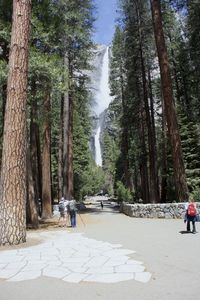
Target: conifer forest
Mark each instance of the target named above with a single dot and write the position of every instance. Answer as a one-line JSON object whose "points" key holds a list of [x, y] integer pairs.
{"points": [[150, 133]]}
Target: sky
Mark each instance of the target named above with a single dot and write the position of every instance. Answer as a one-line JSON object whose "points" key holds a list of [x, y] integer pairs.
{"points": [[105, 23]]}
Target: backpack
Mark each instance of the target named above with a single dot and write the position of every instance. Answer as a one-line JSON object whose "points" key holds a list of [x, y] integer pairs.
{"points": [[72, 206], [61, 207], [191, 211]]}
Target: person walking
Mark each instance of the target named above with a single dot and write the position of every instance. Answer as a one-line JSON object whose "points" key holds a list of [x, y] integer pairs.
{"points": [[191, 212], [62, 217], [67, 216], [101, 205], [72, 212]]}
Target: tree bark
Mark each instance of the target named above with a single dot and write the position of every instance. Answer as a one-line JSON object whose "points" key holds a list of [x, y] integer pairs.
{"points": [[13, 173], [154, 141], [70, 174], [46, 159], [65, 134], [125, 134], [143, 163], [153, 188], [31, 209], [35, 149], [178, 165], [60, 154], [68, 178], [164, 158]]}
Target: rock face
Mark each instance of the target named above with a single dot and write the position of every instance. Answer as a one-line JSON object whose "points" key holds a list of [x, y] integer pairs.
{"points": [[163, 210], [111, 118]]}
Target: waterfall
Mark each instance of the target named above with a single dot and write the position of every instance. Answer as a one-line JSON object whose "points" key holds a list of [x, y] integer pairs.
{"points": [[103, 100], [98, 157]]}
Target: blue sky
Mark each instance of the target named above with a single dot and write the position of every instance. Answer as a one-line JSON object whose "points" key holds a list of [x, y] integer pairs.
{"points": [[105, 23]]}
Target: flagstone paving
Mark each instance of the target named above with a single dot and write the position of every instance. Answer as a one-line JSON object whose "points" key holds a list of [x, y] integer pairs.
{"points": [[72, 258]]}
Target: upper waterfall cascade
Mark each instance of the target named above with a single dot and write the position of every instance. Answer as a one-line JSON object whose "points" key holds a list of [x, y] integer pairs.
{"points": [[102, 101]]}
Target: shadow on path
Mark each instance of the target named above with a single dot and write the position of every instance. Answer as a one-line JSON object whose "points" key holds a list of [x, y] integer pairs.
{"points": [[185, 232]]}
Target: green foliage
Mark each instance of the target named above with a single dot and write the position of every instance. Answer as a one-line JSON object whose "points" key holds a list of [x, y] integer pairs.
{"points": [[190, 138], [110, 155], [126, 67], [122, 193], [88, 178], [88, 181], [196, 195], [3, 72], [64, 27], [59, 29], [112, 130], [127, 88], [93, 181]]}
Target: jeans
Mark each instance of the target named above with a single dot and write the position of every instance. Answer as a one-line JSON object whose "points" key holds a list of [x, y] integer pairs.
{"points": [[191, 219], [73, 218]]}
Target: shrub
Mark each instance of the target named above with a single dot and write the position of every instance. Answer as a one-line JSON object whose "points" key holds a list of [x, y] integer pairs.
{"points": [[196, 195], [122, 193]]}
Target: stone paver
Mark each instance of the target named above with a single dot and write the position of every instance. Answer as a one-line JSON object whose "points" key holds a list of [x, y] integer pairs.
{"points": [[72, 258]]}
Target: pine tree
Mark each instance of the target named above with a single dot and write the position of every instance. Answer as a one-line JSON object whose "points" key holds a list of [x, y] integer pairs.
{"points": [[13, 171], [179, 171]]}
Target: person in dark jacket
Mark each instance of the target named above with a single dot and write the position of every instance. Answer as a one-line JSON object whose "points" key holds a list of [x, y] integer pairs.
{"points": [[101, 205], [190, 216]]}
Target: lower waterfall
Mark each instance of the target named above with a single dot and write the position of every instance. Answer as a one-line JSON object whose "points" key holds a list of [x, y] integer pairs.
{"points": [[98, 156]]}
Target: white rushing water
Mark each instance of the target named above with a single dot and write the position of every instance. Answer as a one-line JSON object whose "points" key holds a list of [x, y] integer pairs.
{"points": [[98, 157], [103, 100]]}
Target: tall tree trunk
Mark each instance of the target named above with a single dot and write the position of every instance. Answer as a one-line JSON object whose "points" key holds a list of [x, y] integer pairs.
{"points": [[136, 179], [13, 173], [124, 151], [153, 188], [178, 165], [143, 163], [65, 133], [68, 178], [164, 158], [144, 177], [46, 159], [70, 174], [60, 154], [35, 149], [125, 138], [31, 209], [153, 140]]}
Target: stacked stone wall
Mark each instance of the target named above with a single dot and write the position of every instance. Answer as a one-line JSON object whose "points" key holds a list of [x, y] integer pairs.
{"points": [[164, 211]]}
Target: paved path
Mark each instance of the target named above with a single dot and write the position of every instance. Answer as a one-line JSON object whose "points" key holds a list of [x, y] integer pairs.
{"points": [[72, 258], [98, 261]]}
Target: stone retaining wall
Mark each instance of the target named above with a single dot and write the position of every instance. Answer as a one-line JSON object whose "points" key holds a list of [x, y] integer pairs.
{"points": [[165, 211]]}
